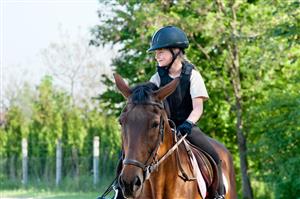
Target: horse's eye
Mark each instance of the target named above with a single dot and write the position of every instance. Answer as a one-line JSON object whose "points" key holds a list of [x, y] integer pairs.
{"points": [[155, 125]]}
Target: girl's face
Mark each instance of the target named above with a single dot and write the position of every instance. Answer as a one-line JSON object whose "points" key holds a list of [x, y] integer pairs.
{"points": [[163, 57]]}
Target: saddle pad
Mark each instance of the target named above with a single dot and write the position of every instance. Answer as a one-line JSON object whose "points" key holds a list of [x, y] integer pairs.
{"points": [[206, 166], [200, 180]]}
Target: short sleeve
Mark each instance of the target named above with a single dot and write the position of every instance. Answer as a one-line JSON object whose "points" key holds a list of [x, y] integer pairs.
{"points": [[197, 88], [155, 79]]}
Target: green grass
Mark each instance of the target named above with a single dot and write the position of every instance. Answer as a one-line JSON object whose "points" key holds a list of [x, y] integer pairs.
{"points": [[74, 188], [43, 194]]}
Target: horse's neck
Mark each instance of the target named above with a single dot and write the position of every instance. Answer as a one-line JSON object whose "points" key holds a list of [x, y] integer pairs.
{"points": [[166, 182], [168, 169]]}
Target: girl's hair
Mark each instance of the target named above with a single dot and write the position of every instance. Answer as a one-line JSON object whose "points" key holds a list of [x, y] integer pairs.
{"points": [[182, 56]]}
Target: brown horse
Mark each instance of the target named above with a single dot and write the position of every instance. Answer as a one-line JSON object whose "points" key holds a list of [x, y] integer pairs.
{"points": [[150, 168]]}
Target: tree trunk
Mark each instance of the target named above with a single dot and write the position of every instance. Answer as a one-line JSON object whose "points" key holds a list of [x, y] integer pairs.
{"points": [[75, 162], [241, 139], [46, 169], [234, 70], [234, 67], [12, 168], [104, 163]]}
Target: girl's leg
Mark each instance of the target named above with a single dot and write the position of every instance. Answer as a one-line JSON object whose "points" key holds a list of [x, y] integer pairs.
{"points": [[198, 138]]}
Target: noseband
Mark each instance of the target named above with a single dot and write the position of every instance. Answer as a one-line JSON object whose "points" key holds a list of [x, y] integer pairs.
{"points": [[148, 167]]}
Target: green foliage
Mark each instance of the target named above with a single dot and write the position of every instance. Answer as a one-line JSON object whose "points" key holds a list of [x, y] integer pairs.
{"points": [[276, 133], [75, 127], [265, 34], [3, 141], [267, 41], [47, 118], [278, 144], [14, 129], [53, 117]]}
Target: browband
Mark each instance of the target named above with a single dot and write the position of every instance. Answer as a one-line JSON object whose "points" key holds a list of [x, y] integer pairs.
{"points": [[159, 104]]}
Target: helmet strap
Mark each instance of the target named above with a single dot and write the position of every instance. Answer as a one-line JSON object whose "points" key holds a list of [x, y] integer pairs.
{"points": [[174, 57]]}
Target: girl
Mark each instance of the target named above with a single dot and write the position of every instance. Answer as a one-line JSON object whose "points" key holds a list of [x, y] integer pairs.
{"points": [[186, 103]]}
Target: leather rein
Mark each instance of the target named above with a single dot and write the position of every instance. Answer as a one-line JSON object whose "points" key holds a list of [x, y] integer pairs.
{"points": [[149, 167]]}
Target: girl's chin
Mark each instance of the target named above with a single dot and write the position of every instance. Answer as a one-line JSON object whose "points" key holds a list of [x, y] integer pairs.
{"points": [[161, 64]]}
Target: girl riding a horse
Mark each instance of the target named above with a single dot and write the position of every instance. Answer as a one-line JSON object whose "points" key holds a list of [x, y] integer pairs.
{"points": [[185, 104]]}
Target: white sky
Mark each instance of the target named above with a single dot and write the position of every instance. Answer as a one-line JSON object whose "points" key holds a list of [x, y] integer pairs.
{"points": [[28, 26]]}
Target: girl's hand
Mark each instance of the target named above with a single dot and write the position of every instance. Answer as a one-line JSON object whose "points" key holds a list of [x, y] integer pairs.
{"points": [[185, 127]]}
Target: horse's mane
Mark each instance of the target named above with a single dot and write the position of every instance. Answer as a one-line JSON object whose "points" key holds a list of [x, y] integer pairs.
{"points": [[142, 93]]}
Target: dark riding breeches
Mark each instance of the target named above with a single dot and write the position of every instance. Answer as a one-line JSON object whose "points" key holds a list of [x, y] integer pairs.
{"points": [[198, 138]]}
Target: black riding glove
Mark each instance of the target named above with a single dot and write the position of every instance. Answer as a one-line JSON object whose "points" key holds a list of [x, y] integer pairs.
{"points": [[185, 128]]}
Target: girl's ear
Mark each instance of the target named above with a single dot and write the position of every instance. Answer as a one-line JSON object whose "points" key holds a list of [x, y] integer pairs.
{"points": [[167, 90], [122, 86]]}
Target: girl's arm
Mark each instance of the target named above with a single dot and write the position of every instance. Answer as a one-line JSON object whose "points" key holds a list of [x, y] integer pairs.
{"points": [[197, 110]]}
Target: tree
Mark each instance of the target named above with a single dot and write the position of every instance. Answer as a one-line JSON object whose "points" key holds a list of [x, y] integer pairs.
{"points": [[16, 126], [76, 64], [274, 117], [47, 123], [231, 45], [275, 135]]}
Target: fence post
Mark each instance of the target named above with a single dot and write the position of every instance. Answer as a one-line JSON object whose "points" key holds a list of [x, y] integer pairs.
{"points": [[24, 161], [58, 161], [96, 159]]}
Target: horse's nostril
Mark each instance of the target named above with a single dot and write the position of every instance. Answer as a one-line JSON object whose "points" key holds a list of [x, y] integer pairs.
{"points": [[137, 181], [130, 187]]}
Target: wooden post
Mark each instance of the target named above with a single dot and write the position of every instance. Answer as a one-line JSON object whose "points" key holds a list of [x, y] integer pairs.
{"points": [[58, 161], [24, 161], [96, 159]]}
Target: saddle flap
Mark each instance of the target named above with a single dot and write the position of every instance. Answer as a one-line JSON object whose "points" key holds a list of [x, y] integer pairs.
{"points": [[207, 166]]}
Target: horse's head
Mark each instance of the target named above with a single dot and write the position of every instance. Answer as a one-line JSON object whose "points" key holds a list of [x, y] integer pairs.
{"points": [[143, 124]]}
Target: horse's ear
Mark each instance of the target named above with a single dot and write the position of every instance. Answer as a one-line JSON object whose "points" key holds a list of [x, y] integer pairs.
{"points": [[167, 90], [122, 86]]}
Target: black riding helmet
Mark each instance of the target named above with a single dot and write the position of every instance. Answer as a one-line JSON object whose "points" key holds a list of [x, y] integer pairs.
{"points": [[169, 37]]}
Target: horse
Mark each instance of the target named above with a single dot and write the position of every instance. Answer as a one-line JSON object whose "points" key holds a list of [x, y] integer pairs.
{"points": [[150, 166]]}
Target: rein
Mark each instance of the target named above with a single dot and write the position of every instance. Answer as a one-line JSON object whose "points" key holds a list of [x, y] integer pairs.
{"points": [[148, 168]]}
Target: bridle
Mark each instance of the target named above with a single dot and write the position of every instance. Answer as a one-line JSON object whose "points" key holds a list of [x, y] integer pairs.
{"points": [[149, 166]]}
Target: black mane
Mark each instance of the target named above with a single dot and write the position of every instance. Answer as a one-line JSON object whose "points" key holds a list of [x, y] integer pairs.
{"points": [[142, 93]]}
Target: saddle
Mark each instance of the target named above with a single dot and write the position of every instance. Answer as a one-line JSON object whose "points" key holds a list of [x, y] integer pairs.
{"points": [[207, 167]]}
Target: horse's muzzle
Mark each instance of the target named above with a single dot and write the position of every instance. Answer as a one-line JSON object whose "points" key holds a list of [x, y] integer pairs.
{"points": [[131, 187]]}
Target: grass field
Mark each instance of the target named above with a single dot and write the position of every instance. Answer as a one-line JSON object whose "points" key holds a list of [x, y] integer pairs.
{"points": [[41, 194]]}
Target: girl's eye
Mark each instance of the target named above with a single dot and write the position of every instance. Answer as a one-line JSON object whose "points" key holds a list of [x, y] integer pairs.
{"points": [[155, 125]]}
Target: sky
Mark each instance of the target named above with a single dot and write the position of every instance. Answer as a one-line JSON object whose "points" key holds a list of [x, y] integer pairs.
{"points": [[28, 26]]}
